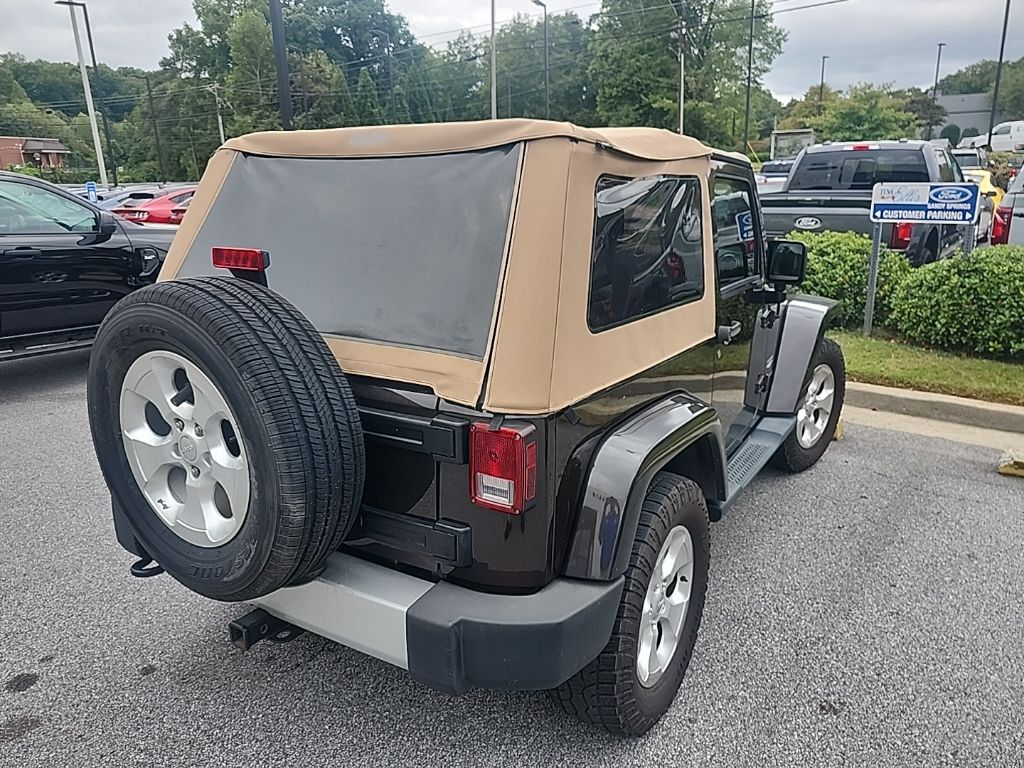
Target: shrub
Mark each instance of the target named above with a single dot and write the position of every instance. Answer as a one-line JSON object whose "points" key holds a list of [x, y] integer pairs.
{"points": [[974, 305], [837, 268], [951, 132]]}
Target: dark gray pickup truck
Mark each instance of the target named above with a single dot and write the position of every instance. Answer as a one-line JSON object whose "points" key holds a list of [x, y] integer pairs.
{"points": [[829, 189]]}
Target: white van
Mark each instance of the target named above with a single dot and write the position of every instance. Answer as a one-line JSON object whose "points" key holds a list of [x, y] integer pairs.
{"points": [[1006, 137]]}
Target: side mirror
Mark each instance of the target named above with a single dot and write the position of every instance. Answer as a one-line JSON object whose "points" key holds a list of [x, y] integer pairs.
{"points": [[787, 262], [106, 223], [991, 193]]}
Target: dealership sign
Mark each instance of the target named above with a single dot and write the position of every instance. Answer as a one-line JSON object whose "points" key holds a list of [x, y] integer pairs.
{"points": [[947, 203]]}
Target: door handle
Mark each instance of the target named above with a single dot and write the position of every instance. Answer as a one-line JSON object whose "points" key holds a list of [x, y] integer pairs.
{"points": [[727, 333], [22, 253]]}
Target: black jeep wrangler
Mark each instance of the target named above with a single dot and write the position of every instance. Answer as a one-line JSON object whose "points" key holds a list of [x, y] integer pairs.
{"points": [[464, 397]]}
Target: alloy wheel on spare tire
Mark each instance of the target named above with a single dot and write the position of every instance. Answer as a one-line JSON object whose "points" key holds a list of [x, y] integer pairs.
{"points": [[227, 434]]}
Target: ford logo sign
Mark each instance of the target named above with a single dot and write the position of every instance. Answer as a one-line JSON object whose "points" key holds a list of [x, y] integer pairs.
{"points": [[807, 222], [951, 195]]}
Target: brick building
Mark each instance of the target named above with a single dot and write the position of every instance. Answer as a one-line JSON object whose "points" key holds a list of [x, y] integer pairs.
{"points": [[37, 152]]}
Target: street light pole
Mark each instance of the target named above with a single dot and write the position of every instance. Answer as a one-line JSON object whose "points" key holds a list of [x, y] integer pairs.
{"points": [[156, 132], [92, 56], [935, 88], [547, 80], [681, 33], [494, 71], [821, 88], [88, 98], [750, 75], [999, 75], [284, 87]]}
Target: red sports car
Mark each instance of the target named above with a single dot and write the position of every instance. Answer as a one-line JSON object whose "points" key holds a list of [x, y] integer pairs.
{"points": [[159, 209]]}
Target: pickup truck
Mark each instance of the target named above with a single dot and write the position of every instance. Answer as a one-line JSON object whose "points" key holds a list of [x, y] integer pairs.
{"points": [[63, 264], [829, 189]]}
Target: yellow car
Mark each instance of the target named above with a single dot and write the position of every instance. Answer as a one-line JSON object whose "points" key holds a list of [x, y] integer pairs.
{"points": [[992, 197]]}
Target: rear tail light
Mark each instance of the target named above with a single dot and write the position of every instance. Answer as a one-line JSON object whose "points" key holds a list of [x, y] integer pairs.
{"points": [[901, 233], [248, 259], [502, 467], [1001, 226]]}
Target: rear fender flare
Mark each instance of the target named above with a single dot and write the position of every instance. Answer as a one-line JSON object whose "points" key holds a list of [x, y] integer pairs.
{"points": [[622, 469], [805, 319]]}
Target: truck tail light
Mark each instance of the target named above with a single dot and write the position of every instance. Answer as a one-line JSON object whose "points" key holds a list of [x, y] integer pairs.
{"points": [[901, 233], [247, 259], [1001, 226], [502, 467]]}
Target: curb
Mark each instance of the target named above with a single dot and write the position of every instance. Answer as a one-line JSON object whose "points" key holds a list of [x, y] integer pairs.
{"points": [[929, 405]]}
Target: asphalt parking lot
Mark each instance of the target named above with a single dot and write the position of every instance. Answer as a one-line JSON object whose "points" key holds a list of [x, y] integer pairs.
{"points": [[868, 612]]}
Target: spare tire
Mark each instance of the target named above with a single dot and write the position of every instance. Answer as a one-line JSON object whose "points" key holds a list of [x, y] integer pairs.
{"points": [[227, 434]]}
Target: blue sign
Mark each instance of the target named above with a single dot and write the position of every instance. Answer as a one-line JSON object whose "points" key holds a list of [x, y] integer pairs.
{"points": [[90, 190], [946, 203], [745, 224]]}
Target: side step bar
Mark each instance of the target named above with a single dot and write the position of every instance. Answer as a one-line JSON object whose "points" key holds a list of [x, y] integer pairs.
{"points": [[755, 452]]}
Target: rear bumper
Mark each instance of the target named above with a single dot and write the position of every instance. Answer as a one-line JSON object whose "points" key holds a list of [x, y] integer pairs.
{"points": [[453, 638]]}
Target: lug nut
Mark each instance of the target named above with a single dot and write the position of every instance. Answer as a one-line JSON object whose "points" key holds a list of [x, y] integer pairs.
{"points": [[195, 471], [199, 431], [179, 424]]}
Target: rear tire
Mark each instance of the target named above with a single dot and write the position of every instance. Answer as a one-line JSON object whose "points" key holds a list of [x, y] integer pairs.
{"points": [[608, 692], [295, 427], [805, 445]]}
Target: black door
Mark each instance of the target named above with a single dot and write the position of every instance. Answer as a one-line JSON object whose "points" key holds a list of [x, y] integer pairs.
{"points": [[57, 270], [742, 356]]}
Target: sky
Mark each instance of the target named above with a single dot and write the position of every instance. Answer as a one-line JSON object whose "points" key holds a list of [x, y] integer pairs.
{"points": [[880, 41]]}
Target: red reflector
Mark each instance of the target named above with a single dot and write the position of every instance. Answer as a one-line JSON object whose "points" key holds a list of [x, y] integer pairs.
{"points": [[1001, 226], [502, 467], [861, 147], [250, 259], [901, 236]]}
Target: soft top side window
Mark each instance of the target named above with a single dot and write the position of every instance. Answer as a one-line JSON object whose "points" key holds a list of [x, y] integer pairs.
{"points": [[648, 250], [735, 230]]}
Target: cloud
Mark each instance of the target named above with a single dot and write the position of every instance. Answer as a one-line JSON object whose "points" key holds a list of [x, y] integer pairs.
{"points": [[867, 40]]}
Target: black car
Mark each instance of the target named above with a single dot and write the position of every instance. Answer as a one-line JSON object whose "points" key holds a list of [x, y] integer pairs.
{"points": [[63, 263]]}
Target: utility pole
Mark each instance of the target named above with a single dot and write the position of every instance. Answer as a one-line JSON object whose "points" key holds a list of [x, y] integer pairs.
{"points": [[284, 88], [156, 132], [88, 99], [821, 88], [999, 75], [220, 119], [935, 88], [547, 76], [750, 76], [494, 71], [681, 32], [92, 56], [391, 72]]}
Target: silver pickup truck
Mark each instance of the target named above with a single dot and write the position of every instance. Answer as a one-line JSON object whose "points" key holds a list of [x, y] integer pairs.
{"points": [[829, 189]]}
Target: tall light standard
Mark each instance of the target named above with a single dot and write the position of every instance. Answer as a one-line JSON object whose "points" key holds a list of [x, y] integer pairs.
{"points": [[494, 71], [935, 88], [92, 55], [821, 88], [750, 75], [547, 80], [102, 167], [391, 67], [156, 131], [999, 75], [681, 53]]}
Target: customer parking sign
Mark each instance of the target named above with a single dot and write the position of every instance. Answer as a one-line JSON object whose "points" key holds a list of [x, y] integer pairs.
{"points": [[946, 203]]}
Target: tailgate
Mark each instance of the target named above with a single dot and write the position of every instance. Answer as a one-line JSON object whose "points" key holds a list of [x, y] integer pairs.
{"points": [[817, 212]]}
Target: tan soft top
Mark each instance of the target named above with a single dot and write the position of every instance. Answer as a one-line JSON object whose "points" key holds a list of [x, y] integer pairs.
{"points": [[441, 138], [541, 355]]}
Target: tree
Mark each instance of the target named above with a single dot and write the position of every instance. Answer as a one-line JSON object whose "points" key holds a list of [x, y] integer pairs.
{"points": [[399, 109], [250, 83], [367, 104], [636, 72], [865, 112], [974, 78], [1011, 92], [926, 110], [323, 92], [951, 133]]}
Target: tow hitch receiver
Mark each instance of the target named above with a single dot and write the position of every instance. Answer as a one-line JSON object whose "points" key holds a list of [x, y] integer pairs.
{"points": [[259, 625]]}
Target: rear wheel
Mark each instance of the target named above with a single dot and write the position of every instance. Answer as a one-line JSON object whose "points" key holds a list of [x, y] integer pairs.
{"points": [[634, 680], [817, 412], [227, 434]]}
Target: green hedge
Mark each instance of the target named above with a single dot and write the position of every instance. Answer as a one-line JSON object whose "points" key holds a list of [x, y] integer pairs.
{"points": [[837, 267], [974, 305], [966, 305]]}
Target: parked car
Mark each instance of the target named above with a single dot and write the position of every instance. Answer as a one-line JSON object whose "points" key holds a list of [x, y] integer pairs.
{"points": [[157, 210], [63, 264], [177, 214], [776, 168], [471, 434], [1006, 137], [991, 199], [1008, 225], [971, 158], [830, 187]]}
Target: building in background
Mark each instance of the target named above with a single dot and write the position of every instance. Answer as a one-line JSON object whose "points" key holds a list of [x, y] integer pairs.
{"points": [[967, 110], [44, 154]]}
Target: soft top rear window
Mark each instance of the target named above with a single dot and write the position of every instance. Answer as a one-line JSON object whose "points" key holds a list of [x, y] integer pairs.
{"points": [[857, 169], [397, 250]]}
